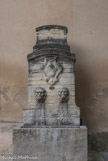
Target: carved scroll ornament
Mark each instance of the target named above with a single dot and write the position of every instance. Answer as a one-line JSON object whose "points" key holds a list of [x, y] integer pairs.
{"points": [[51, 70]]}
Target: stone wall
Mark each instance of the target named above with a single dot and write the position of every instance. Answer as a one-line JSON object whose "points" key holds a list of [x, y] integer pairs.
{"points": [[88, 37]]}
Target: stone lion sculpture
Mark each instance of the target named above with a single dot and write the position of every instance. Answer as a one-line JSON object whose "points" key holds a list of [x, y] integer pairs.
{"points": [[40, 94], [64, 94]]}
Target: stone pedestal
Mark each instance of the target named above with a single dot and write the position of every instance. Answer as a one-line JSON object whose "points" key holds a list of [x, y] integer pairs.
{"points": [[50, 144]]}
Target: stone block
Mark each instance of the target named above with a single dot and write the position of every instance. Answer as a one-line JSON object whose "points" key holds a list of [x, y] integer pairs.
{"points": [[50, 143]]}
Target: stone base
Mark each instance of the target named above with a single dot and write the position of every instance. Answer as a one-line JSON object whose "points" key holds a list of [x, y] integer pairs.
{"points": [[50, 144]]}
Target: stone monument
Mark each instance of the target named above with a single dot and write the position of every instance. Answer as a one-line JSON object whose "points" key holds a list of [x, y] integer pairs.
{"points": [[51, 128]]}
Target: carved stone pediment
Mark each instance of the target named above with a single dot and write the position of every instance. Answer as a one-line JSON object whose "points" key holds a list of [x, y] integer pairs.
{"points": [[51, 70]]}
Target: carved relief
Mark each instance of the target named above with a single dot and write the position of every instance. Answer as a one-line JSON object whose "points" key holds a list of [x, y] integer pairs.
{"points": [[64, 94], [51, 70], [63, 109], [40, 111], [40, 94]]}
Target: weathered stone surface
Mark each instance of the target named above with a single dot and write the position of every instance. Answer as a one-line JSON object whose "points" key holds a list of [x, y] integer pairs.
{"points": [[2, 158], [105, 155], [98, 141], [51, 70], [98, 146], [37, 79], [53, 33], [51, 130], [66, 79], [36, 117], [94, 156], [51, 144], [6, 130], [97, 156]]}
